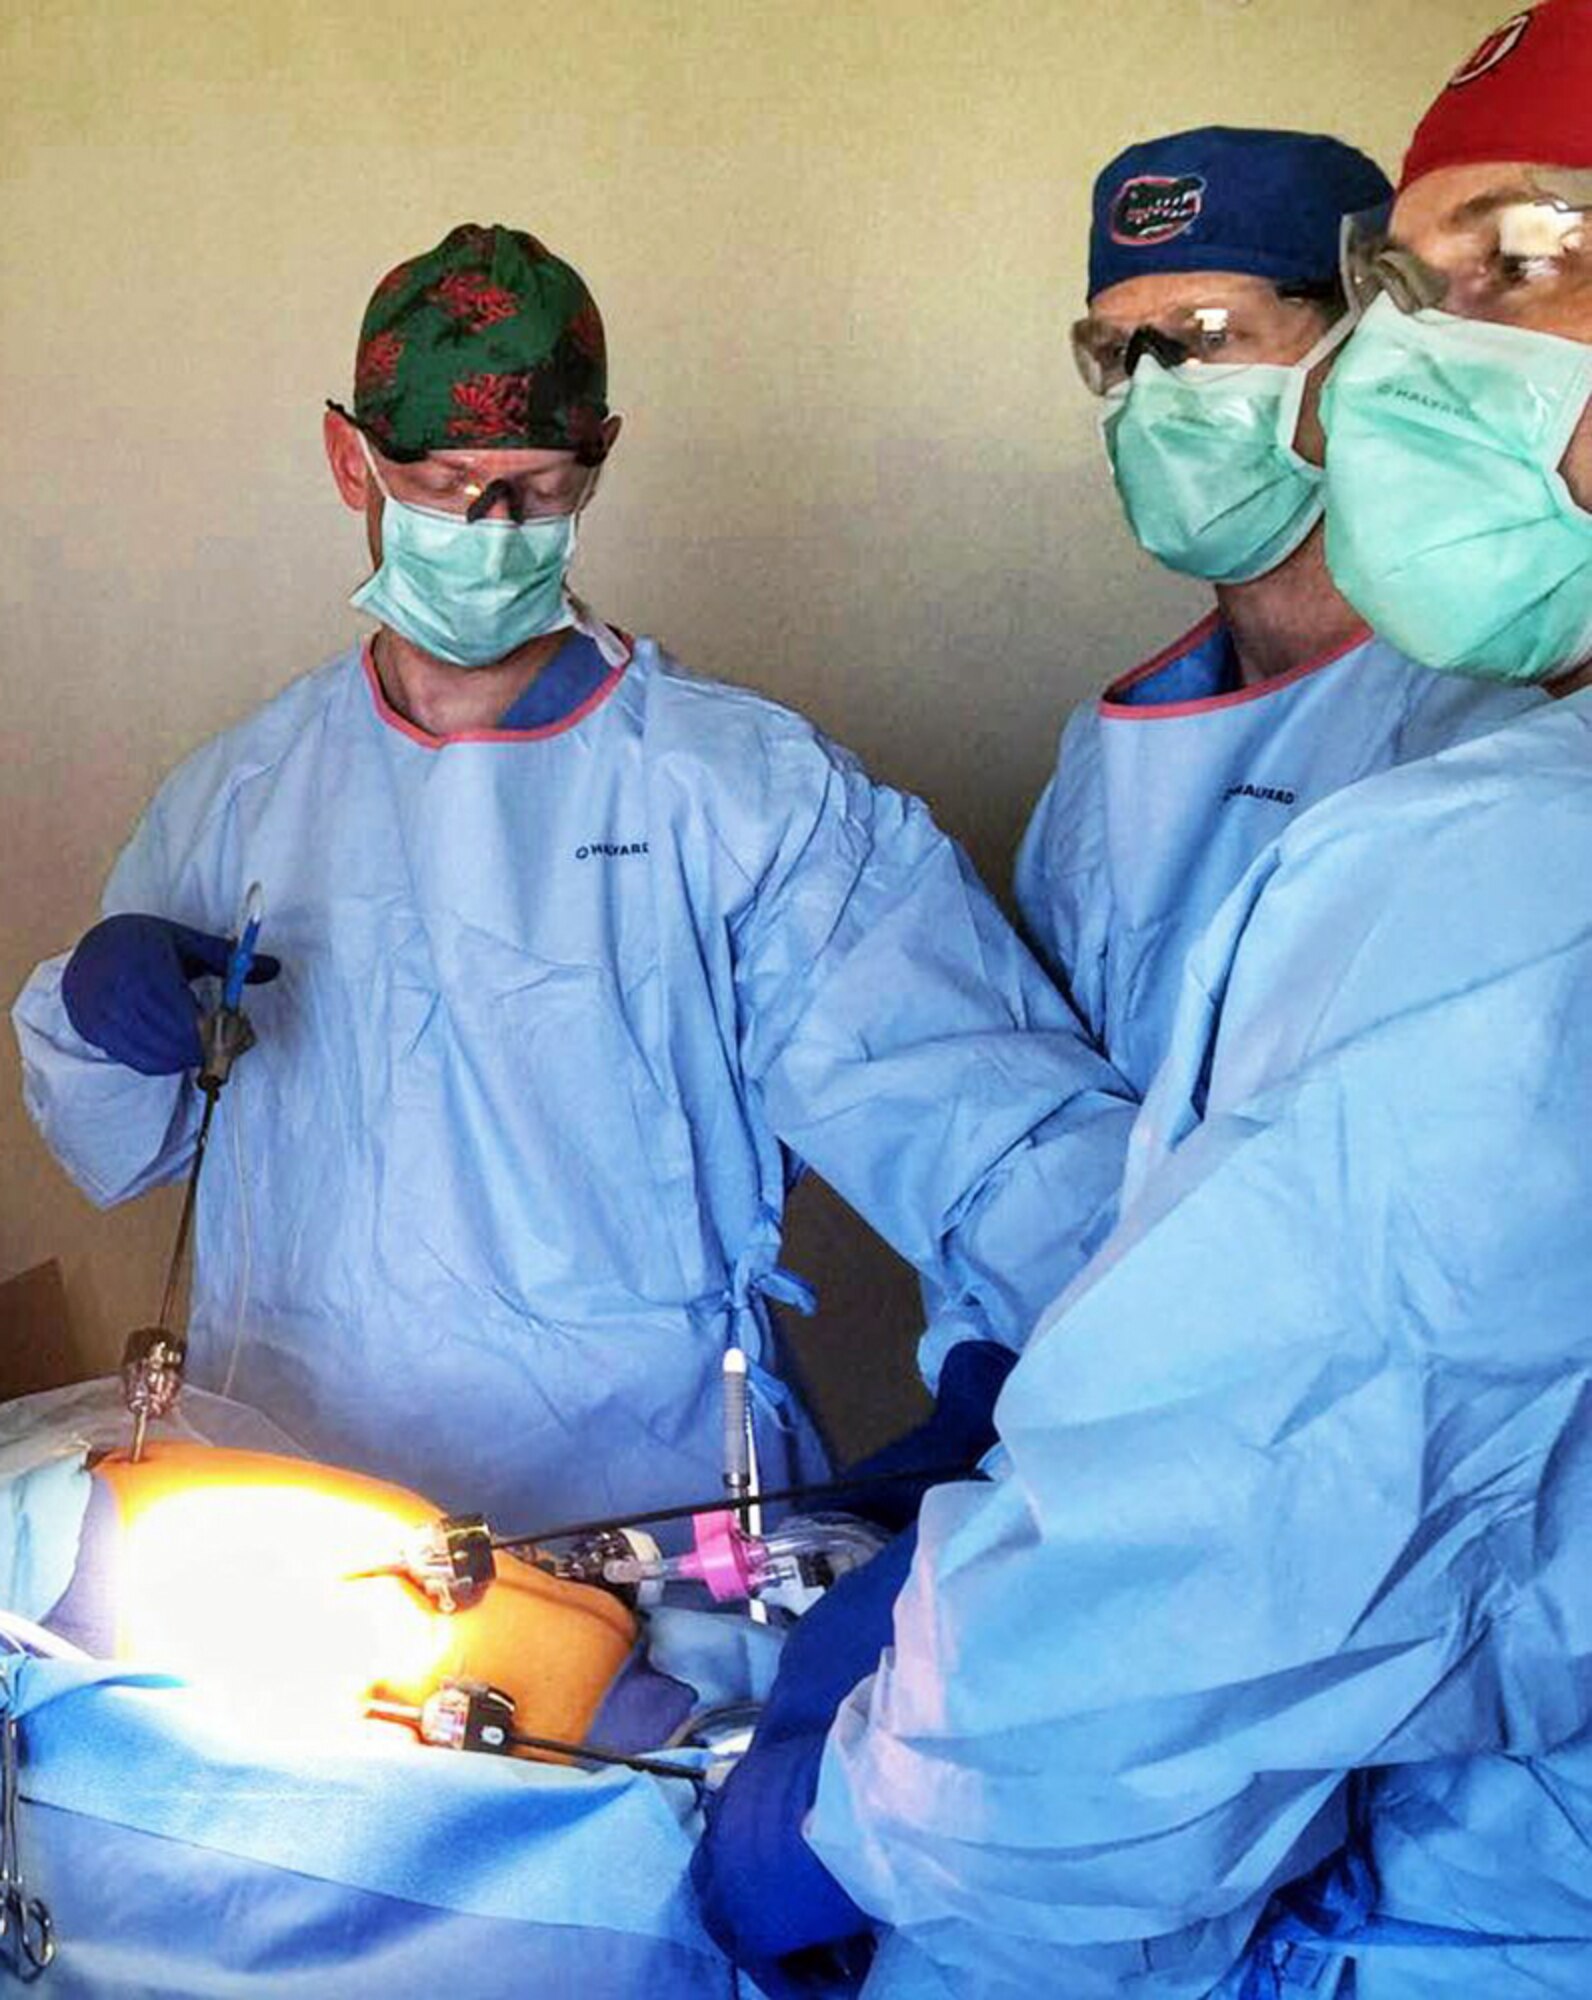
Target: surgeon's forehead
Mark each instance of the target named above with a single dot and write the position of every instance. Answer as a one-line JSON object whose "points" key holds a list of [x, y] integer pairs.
{"points": [[1137, 301], [499, 464], [1453, 204]]}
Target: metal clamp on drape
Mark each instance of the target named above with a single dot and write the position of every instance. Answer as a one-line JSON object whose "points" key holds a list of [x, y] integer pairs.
{"points": [[27, 1935]]}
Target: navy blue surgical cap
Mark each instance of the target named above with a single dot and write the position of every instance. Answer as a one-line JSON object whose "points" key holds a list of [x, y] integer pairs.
{"points": [[1269, 204]]}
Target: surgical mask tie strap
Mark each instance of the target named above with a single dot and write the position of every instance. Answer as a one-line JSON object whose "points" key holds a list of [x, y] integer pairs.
{"points": [[1291, 409], [375, 470], [1331, 340]]}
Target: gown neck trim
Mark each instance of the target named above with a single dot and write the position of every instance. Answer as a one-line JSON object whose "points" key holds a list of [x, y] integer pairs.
{"points": [[618, 649], [1114, 707]]}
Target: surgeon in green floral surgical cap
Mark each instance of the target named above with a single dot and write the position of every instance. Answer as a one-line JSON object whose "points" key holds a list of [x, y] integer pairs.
{"points": [[578, 955], [487, 341], [480, 388]]}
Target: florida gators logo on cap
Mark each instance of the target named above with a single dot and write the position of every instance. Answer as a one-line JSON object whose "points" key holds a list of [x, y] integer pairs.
{"points": [[1499, 46], [1152, 208]]}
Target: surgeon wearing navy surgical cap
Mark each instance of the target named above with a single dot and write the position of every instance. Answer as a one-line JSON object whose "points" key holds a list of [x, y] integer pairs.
{"points": [[1215, 312]]}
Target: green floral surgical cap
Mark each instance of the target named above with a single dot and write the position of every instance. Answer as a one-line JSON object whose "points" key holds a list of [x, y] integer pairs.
{"points": [[488, 340]]}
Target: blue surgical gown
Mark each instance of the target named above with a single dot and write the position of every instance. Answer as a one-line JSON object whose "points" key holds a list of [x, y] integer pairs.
{"points": [[1287, 1565], [1169, 785], [505, 1170]]}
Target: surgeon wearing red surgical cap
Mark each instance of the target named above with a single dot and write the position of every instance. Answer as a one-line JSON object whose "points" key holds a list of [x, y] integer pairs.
{"points": [[1262, 1666]]}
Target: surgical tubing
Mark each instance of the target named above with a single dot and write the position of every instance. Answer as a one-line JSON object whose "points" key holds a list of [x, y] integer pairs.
{"points": [[824, 1534], [831, 1489]]}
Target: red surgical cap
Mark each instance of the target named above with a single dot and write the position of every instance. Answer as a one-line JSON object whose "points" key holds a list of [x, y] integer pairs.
{"points": [[1525, 94]]}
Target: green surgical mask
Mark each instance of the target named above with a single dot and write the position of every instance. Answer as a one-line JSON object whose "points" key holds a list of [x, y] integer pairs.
{"points": [[1205, 466], [1449, 525], [468, 592]]}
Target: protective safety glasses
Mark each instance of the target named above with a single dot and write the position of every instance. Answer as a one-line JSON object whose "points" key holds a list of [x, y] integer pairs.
{"points": [[1528, 234], [451, 487], [1107, 354], [457, 486]]}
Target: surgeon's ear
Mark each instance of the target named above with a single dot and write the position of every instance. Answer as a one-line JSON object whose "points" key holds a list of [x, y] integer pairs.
{"points": [[612, 425], [345, 454]]}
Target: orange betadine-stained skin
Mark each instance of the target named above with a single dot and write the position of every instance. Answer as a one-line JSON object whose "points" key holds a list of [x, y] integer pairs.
{"points": [[239, 1571]]}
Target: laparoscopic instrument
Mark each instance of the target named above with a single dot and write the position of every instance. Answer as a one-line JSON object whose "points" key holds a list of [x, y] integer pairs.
{"points": [[471, 1715], [453, 1560], [154, 1357]]}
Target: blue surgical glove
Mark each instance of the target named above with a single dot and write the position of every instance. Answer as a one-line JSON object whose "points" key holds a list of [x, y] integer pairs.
{"points": [[763, 1892], [950, 1441], [126, 990]]}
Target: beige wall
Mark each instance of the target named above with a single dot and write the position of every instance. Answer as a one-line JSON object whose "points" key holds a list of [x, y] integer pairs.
{"points": [[837, 246]]}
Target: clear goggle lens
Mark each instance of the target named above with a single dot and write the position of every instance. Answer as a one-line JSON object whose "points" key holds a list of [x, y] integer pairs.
{"points": [[529, 496], [1107, 355], [1536, 235], [1373, 264], [1252, 329]]}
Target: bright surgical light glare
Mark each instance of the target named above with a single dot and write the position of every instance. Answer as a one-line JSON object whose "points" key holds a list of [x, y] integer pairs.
{"points": [[250, 1592], [1538, 234]]}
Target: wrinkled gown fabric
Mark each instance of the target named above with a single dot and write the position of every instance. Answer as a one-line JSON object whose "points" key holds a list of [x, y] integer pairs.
{"points": [[558, 1007], [1288, 1562], [1169, 785]]}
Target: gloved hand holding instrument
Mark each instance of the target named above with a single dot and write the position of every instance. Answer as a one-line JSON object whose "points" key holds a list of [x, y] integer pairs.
{"points": [[126, 989], [765, 1897]]}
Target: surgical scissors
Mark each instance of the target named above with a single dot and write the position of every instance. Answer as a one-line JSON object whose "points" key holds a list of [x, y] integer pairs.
{"points": [[26, 1928]]}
